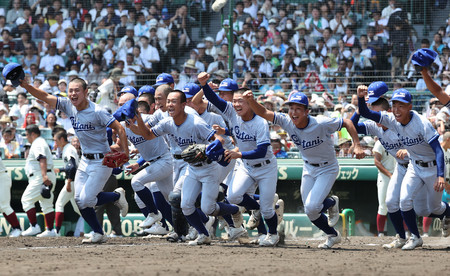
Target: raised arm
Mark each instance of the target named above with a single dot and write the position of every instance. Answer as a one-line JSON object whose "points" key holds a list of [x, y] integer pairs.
{"points": [[209, 93], [358, 150], [362, 106], [144, 131], [197, 100], [434, 88], [40, 94], [360, 127], [259, 109], [118, 128]]}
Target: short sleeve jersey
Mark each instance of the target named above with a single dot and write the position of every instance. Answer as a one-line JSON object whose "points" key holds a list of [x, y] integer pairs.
{"points": [[38, 148], [89, 125], [68, 152], [314, 141]]}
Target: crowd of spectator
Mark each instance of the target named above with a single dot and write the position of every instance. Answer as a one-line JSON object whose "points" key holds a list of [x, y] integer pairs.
{"points": [[324, 48]]}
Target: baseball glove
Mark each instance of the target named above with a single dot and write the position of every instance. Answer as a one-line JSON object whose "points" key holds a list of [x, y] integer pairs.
{"points": [[115, 159], [194, 154], [46, 191]]}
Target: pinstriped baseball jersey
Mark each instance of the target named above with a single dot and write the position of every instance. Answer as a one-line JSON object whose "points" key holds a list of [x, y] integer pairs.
{"points": [[314, 141], [215, 119], [148, 149], [193, 130], [89, 125], [388, 138], [415, 136], [249, 134]]}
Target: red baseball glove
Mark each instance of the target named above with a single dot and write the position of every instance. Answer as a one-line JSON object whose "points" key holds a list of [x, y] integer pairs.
{"points": [[115, 159]]}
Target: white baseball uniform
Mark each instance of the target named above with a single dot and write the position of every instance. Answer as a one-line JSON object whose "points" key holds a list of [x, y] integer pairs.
{"points": [[388, 162], [90, 128], [5, 190], [39, 148], [317, 148], [201, 177], [261, 171], [64, 196]]}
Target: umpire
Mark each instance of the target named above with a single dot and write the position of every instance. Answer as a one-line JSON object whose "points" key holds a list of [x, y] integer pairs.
{"points": [[39, 169]]}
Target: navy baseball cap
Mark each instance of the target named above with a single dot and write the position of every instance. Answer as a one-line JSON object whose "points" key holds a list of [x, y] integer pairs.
{"points": [[228, 85], [423, 57], [376, 90], [216, 152], [402, 95], [191, 89], [164, 78], [128, 89], [13, 72], [298, 98], [146, 89]]}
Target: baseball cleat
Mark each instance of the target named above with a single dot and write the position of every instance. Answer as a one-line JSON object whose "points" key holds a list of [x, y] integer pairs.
{"points": [[200, 240], [151, 219], [95, 238], [238, 218], [275, 199], [258, 239], [279, 210], [397, 243], [121, 202], [333, 212], [156, 229], [270, 240], [192, 234], [32, 230], [254, 219], [15, 233], [445, 222], [413, 242], [330, 241], [222, 223], [236, 232], [173, 237], [47, 234]]}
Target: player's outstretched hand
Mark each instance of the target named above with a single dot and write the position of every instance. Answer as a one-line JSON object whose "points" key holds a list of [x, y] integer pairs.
{"points": [[132, 167], [362, 91], [248, 95], [219, 130], [439, 185], [203, 78], [231, 154], [359, 152], [401, 154]]}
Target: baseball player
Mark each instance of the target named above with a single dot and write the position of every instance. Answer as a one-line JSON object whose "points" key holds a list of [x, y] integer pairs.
{"points": [[71, 160], [39, 169], [89, 122], [259, 165], [426, 169], [313, 138], [391, 143], [186, 129], [5, 198], [156, 153]]}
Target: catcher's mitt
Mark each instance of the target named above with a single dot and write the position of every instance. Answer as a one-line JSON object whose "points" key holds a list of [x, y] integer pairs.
{"points": [[115, 159], [46, 191], [194, 154]]}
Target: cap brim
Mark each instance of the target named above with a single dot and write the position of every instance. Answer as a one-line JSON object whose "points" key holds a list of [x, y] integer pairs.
{"points": [[291, 102], [372, 99], [399, 100]]}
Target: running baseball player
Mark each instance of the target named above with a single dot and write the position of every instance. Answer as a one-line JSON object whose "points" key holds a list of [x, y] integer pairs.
{"points": [[71, 160], [5, 199], [421, 140], [186, 129], [313, 138], [259, 165], [39, 169], [89, 121], [391, 143], [156, 153]]}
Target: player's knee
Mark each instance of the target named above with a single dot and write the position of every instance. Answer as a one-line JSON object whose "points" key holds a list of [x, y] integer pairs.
{"points": [[234, 198], [139, 202], [137, 185], [86, 202], [6, 208], [422, 212], [188, 206], [26, 205], [313, 211], [175, 199], [406, 204], [210, 208], [267, 213], [437, 210], [392, 204]]}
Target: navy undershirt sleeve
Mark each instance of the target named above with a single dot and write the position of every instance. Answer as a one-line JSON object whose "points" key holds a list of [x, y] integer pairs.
{"points": [[366, 112], [439, 156], [259, 152], [214, 98], [360, 127]]}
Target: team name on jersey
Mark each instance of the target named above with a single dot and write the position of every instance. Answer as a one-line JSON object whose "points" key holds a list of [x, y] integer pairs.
{"points": [[242, 135], [306, 144], [182, 142], [389, 146], [136, 140], [81, 127], [412, 141]]}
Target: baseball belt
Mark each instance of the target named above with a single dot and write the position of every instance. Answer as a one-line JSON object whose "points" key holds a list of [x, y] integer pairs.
{"points": [[426, 164], [93, 156], [405, 165], [316, 164], [260, 164], [32, 174]]}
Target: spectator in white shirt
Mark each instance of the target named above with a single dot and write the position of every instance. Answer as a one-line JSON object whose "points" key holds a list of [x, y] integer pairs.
{"points": [[251, 7], [58, 28], [141, 27], [98, 12], [316, 24], [49, 61], [338, 23]]}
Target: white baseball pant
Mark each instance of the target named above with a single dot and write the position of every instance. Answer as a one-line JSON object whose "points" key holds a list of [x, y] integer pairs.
{"points": [[382, 186], [33, 193], [5, 193], [64, 197]]}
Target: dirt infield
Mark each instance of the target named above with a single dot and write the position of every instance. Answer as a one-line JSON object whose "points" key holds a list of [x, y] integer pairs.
{"points": [[132, 256]]}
